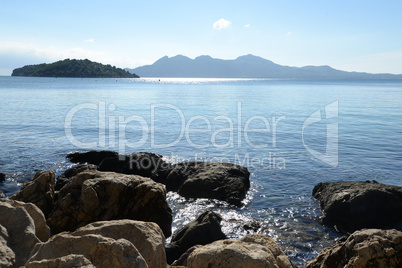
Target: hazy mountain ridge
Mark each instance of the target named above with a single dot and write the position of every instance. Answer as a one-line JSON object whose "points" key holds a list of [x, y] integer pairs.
{"points": [[248, 66]]}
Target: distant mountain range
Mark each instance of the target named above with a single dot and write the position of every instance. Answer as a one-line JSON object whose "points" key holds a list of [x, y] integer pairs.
{"points": [[248, 66]]}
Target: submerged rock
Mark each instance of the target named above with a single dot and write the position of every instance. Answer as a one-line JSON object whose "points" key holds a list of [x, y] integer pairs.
{"points": [[363, 248], [351, 205], [203, 230], [250, 251], [100, 251], [98, 196], [223, 181], [39, 190], [147, 237]]}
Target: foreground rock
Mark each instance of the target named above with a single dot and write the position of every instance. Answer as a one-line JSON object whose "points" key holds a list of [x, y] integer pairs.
{"points": [[147, 237], [22, 226], [98, 196], [250, 251], [364, 248], [100, 251], [39, 190], [222, 181], [350, 206], [203, 230], [62, 262]]}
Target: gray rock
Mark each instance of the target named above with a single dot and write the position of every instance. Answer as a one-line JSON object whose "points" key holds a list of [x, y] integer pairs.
{"points": [[99, 196], [7, 256], [363, 248], [20, 229], [39, 190], [102, 252], [147, 237], [351, 205], [68, 261], [250, 251]]}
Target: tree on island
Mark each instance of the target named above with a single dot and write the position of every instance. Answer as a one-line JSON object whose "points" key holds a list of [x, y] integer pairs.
{"points": [[73, 68]]}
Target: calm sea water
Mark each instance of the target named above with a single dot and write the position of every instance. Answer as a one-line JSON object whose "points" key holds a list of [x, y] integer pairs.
{"points": [[290, 134]]}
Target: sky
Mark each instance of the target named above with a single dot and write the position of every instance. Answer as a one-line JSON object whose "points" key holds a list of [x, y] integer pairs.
{"points": [[364, 36]]}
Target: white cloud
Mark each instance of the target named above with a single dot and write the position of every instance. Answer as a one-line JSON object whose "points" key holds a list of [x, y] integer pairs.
{"points": [[90, 40], [221, 24], [247, 26], [289, 33]]}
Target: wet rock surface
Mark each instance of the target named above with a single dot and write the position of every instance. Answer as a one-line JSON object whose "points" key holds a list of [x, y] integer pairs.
{"points": [[351, 205]]}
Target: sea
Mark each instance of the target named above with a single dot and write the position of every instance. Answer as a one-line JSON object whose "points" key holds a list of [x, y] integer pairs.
{"points": [[290, 134]]}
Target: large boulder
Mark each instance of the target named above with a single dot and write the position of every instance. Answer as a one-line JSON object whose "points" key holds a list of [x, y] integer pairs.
{"points": [[147, 237], [363, 248], [99, 196], [7, 256], [250, 251], [39, 190], [100, 251], [194, 179], [71, 172], [91, 157], [22, 230], [68, 261], [351, 205], [203, 230]]}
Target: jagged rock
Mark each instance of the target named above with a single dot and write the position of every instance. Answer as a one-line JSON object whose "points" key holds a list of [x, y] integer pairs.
{"points": [[71, 172], [20, 227], [250, 251], [203, 230], [98, 196], [147, 237], [352, 205], [100, 251], [91, 157], [39, 190], [363, 248], [195, 179], [68, 261], [7, 256]]}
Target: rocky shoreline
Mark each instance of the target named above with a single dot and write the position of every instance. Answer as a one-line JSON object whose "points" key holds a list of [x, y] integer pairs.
{"points": [[111, 211]]}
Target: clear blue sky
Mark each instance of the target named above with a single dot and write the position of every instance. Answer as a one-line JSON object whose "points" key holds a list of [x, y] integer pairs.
{"points": [[347, 35]]}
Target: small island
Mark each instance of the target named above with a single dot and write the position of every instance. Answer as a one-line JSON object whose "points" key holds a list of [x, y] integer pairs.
{"points": [[73, 68]]}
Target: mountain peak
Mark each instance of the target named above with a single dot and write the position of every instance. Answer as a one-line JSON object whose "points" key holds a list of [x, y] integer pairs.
{"points": [[246, 66]]}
